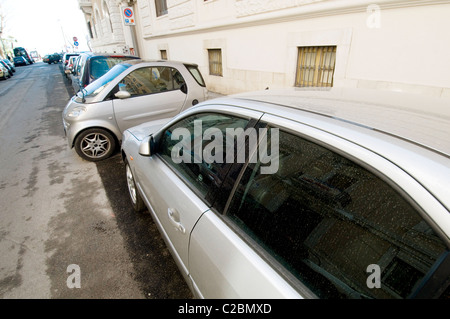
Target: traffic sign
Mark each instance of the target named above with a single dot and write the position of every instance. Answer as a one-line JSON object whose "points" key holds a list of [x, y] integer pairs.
{"points": [[75, 43], [128, 16]]}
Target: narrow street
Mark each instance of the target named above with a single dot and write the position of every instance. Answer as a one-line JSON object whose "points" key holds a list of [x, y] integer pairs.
{"points": [[58, 210]]}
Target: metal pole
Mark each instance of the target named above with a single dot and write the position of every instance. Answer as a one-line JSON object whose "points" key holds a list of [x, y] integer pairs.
{"points": [[133, 39], [131, 3]]}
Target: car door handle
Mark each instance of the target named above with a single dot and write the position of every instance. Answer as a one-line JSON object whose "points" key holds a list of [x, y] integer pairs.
{"points": [[174, 218]]}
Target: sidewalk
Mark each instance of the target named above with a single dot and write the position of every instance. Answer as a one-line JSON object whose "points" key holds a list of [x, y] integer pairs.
{"points": [[213, 95]]}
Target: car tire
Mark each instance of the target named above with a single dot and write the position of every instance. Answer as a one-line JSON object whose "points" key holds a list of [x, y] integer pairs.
{"points": [[95, 144], [136, 199]]}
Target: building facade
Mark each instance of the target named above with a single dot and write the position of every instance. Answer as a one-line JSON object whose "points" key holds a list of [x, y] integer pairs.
{"points": [[246, 45]]}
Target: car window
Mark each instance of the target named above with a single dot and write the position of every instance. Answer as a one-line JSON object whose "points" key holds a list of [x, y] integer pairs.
{"points": [[332, 224], [97, 86], [195, 72], [149, 80], [79, 63], [100, 65], [196, 147]]}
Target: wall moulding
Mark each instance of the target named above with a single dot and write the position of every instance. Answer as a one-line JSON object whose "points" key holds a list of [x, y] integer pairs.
{"points": [[302, 10]]}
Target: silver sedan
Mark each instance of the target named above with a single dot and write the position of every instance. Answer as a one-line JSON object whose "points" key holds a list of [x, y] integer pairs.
{"points": [[301, 194]]}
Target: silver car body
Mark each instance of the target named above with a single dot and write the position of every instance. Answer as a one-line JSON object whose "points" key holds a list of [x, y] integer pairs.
{"points": [[117, 114], [404, 138]]}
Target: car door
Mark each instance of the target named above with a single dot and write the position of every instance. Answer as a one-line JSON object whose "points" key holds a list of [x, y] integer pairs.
{"points": [[154, 94], [179, 192]]}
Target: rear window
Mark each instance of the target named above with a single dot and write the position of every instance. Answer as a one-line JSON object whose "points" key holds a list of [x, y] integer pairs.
{"points": [[101, 65], [195, 72]]}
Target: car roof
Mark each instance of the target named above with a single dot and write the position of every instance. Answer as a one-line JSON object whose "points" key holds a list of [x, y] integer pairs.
{"points": [[168, 62], [107, 54], [420, 119]]}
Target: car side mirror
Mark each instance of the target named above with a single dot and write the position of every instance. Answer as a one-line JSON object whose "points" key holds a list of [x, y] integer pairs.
{"points": [[147, 146], [122, 95]]}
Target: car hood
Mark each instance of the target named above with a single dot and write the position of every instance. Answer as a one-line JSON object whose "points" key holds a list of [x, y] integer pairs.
{"points": [[142, 131]]}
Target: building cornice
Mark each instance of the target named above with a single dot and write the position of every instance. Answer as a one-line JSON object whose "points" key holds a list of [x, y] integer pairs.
{"points": [[308, 11]]}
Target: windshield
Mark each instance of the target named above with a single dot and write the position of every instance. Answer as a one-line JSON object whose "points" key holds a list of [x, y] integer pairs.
{"points": [[98, 85]]}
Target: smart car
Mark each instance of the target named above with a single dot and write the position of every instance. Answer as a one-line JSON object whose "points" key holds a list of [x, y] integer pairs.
{"points": [[129, 94]]}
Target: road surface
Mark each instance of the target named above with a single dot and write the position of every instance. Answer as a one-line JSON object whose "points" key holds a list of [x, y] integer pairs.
{"points": [[67, 229]]}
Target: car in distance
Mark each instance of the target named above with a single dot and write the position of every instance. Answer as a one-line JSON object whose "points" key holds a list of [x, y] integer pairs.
{"points": [[352, 202], [20, 51], [10, 64], [51, 58], [131, 93], [89, 66], [68, 68], [67, 56], [7, 67], [4, 73], [20, 60]]}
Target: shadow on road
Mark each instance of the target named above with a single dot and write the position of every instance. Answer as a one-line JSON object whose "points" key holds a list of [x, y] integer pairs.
{"points": [[155, 269]]}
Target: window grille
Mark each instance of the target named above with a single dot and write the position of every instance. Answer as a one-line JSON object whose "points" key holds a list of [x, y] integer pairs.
{"points": [[315, 66], [215, 61]]}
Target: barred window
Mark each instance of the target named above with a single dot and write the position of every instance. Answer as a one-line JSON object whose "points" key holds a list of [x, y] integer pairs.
{"points": [[215, 61], [161, 7], [315, 66]]}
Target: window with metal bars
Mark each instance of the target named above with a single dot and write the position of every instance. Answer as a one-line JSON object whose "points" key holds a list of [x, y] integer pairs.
{"points": [[315, 66], [161, 7], [215, 61]]}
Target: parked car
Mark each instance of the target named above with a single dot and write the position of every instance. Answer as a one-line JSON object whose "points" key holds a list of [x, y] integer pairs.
{"points": [[21, 52], [11, 65], [352, 202], [4, 74], [68, 68], [90, 66], [7, 67], [66, 57], [131, 93], [20, 60], [51, 58]]}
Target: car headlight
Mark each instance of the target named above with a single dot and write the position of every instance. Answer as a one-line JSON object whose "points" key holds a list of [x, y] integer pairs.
{"points": [[77, 111]]}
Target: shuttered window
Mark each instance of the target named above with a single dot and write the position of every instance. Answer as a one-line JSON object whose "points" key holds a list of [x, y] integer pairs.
{"points": [[315, 66], [215, 61]]}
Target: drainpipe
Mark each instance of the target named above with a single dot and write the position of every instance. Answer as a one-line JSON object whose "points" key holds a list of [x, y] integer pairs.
{"points": [[131, 3]]}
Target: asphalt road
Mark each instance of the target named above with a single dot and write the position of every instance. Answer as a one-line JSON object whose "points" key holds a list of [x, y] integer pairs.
{"points": [[65, 222]]}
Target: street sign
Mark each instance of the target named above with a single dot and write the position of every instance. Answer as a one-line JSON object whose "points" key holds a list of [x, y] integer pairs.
{"points": [[75, 43], [128, 16], [75, 39]]}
